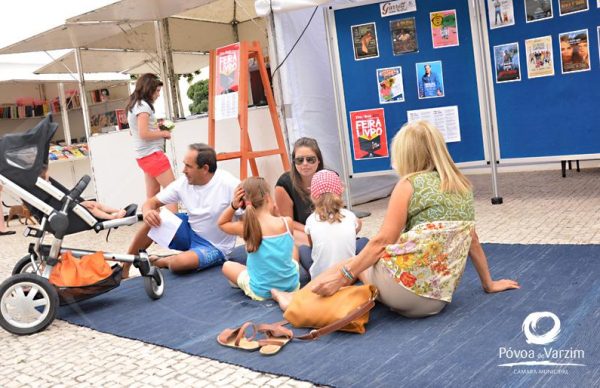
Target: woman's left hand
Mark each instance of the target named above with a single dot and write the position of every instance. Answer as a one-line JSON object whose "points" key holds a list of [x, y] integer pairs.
{"points": [[502, 285], [328, 284]]}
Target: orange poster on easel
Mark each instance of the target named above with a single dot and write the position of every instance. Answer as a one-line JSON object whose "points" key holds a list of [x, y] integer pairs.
{"points": [[228, 98]]}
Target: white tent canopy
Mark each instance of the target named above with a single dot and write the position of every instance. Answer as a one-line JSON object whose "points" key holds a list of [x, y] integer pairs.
{"points": [[195, 25], [121, 61]]}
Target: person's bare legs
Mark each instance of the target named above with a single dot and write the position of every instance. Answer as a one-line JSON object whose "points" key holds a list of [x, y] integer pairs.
{"points": [[284, 298], [140, 241], [232, 270], [164, 180], [103, 212], [180, 263]]}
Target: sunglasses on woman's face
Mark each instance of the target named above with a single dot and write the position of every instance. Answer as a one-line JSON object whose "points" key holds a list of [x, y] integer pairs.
{"points": [[309, 159]]}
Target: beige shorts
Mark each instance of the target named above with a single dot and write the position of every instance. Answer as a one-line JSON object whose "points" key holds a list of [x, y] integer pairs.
{"points": [[243, 282], [397, 297]]}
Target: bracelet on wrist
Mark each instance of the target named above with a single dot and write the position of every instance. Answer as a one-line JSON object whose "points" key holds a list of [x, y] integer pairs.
{"points": [[233, 207], [347, 273]]}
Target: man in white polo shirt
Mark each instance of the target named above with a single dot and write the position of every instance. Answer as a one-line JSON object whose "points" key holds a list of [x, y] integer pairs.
{"points": [[205, 192]]}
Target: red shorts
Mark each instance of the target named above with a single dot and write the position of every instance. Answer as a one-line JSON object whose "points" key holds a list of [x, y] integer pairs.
{"points": [[154, 164]]}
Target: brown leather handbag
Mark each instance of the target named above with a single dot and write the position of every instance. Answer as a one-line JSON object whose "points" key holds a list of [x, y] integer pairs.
{"points": [[346, 310]]}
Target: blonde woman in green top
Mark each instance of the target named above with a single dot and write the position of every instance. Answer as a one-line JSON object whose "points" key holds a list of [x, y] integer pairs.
{"points": [[418, 256]]}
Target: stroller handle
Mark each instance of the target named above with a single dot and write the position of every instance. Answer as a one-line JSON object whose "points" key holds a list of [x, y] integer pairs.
{"points": [[78, 189]]}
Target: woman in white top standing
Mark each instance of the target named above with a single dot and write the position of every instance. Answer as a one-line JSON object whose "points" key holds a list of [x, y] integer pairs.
{"points": [[148, 139]]}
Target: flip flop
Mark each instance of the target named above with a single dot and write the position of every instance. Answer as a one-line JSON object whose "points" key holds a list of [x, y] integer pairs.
{"points": [[7, 233], [277, 337], [236, 338]]}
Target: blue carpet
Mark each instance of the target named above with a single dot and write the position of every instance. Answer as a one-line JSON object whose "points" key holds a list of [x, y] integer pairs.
{"points": [[462, 346]]}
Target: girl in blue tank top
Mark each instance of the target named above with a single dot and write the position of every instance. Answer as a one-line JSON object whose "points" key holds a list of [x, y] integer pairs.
{"points": [[272, 262]]}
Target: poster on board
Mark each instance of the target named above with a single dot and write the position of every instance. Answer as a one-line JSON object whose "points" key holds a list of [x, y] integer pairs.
{"points": [[506, 62], [404, 36], [567, 7], [540, 62], [369, 136], [227, 81], [364, 39], [397, 7], [444, 118], [501, 13], [390, 85], [444, 28], [430, 79], [574, 51], [538, 10]]}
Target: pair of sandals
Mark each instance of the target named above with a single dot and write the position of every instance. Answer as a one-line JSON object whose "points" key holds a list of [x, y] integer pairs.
{"points": [[244, 337]]}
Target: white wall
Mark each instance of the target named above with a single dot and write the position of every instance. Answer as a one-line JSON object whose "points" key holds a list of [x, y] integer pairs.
{"points": [[119, 181]]}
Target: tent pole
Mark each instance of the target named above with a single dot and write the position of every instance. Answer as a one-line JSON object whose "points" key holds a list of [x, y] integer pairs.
{"points": [[168, 55], [160, 49], [163, 70], [64, 113], [483, 53], [83, 95], [86, 114]]}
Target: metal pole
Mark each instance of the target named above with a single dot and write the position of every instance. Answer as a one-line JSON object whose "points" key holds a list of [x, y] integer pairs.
{"points": [[160, 49], [169, 68], [64, 113], [86, 114], [163, 70], [336, 77], [485, 60], [83, 95]]}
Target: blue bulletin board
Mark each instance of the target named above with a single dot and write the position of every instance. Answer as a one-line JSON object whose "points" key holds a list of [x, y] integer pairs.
{"points": [[360, 83], [549, 116]]}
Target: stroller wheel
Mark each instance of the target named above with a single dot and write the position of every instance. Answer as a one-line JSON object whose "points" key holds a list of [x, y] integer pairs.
{"points": [[28, 304], [25, 265], [154, 283]]}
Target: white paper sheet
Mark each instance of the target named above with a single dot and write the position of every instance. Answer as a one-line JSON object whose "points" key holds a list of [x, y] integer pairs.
{"points": [[445, 118], [169, 223]]}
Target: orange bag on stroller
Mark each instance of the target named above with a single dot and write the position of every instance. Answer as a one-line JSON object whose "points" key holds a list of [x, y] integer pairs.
{"points": [[79, 279], [72, 272]]}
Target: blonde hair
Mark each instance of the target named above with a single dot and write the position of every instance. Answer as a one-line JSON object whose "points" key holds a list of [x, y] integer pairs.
{"points": [[256, 190], [328, 207], [420, 147]]}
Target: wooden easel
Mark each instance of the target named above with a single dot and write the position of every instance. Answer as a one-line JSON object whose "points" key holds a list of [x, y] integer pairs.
{"points": [[246, 155]]}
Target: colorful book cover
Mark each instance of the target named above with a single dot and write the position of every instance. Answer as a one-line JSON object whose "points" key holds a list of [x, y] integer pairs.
{"points": [[506, 62], [540, 61], [444, 28], [364, 40], [500, 13], [537, 10], [572, 6], [404, 36], [574, 51], [369, 136], [390, 85]]}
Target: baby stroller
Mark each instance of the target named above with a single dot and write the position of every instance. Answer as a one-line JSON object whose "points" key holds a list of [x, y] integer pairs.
{"points": [[28, 301]]}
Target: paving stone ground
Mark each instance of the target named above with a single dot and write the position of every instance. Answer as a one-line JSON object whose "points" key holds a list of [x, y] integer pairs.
{"points": [[539, 207]]}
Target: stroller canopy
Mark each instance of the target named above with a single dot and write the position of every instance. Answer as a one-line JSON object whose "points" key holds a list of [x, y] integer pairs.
{"points": [[22, 155]]}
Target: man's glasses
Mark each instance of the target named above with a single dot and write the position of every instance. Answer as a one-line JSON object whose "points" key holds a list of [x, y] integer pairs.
{"points": [[309, 159]]}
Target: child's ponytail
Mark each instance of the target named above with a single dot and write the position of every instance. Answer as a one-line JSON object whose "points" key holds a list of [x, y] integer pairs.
{"points": [[328, 207], [255, 191], [252, 231]]}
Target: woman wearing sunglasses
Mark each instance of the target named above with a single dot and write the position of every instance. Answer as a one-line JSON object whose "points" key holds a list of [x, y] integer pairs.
{"points": [[292, 190]]}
